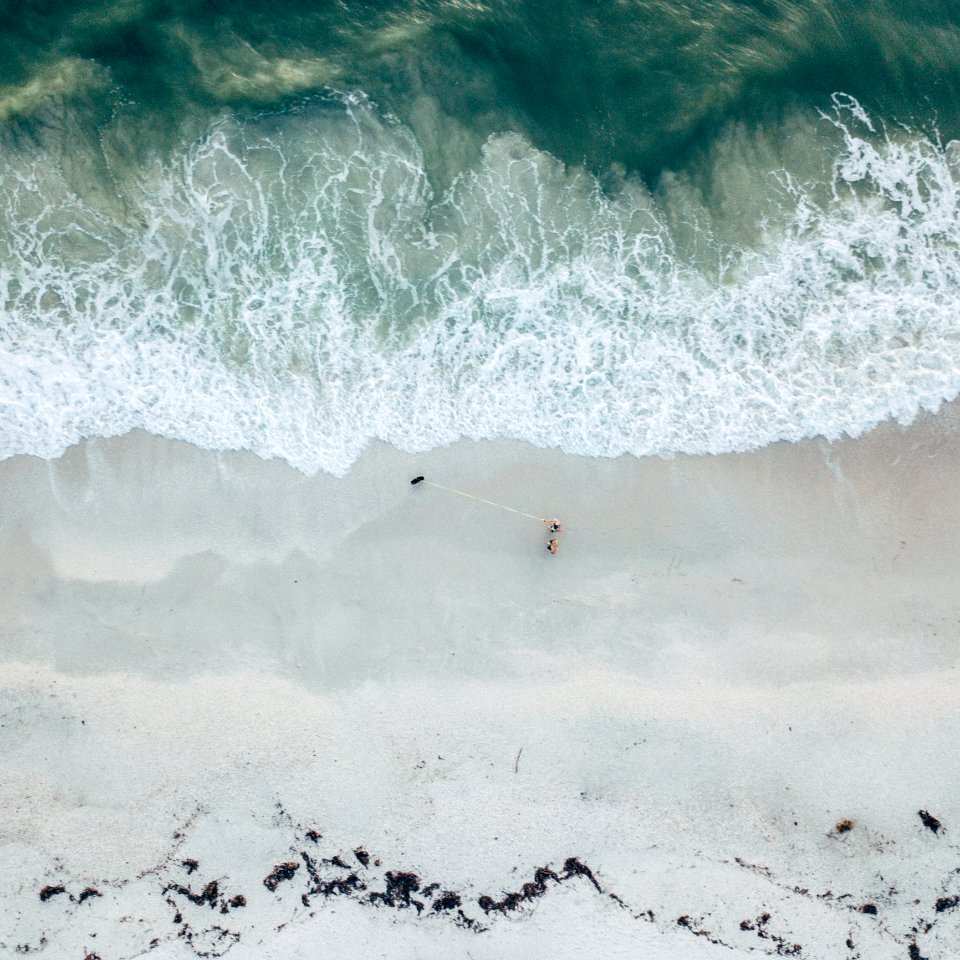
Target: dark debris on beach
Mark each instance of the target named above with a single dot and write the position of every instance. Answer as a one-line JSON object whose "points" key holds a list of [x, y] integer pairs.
{"points": [[930, 821], [52, 890], [367, 882], [281, 872], [315, 873]]}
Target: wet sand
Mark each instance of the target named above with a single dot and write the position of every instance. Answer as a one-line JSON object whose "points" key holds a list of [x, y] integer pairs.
{"points": [[206, 658]]}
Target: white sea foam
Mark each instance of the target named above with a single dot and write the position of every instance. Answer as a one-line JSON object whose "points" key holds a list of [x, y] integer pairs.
{"points": [[291, 285]]}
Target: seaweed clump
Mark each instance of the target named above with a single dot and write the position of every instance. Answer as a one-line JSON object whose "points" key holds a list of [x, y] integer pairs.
{"points": [[930, 821], [281, 872]]}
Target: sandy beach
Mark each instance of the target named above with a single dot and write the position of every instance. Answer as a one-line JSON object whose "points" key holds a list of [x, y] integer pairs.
{"points": [[244, 710]]}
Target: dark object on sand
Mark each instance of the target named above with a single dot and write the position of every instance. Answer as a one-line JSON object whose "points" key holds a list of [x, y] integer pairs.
{"points": [[930, 821], [281, 872], [416, 480]]}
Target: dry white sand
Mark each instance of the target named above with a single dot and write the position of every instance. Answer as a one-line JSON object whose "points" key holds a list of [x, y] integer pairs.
{"points": [[205, 657]]}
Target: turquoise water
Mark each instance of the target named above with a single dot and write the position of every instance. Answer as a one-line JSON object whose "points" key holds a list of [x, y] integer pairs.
{"points": [[612, 227]]}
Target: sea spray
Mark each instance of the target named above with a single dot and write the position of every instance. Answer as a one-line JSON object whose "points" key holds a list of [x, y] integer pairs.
{"points": [[293, 284]]}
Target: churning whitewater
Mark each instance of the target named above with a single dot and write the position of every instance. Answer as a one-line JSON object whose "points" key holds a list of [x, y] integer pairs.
{"points": [[298, 284]]}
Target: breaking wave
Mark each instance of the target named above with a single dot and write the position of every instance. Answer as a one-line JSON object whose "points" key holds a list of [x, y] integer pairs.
{"points": [[294, 285]]}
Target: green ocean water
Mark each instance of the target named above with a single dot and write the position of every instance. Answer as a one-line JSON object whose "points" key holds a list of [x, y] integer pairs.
{"points": [[646, 85], [613, 226]]}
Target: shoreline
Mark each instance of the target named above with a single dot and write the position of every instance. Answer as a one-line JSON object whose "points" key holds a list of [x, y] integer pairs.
{"points": [[728, 656]]}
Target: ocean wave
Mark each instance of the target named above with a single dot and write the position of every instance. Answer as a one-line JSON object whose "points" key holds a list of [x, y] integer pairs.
{"points": [[292, 285]]}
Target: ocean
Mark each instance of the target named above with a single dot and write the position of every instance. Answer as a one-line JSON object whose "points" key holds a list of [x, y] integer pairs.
{"points": [[612, 227]]}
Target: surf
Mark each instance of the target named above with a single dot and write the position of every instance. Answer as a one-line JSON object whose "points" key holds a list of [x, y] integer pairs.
{"points": [[297, 285]]}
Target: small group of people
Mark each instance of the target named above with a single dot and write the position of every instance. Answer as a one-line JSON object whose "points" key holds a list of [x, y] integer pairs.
{"points": [[554, 526]]}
